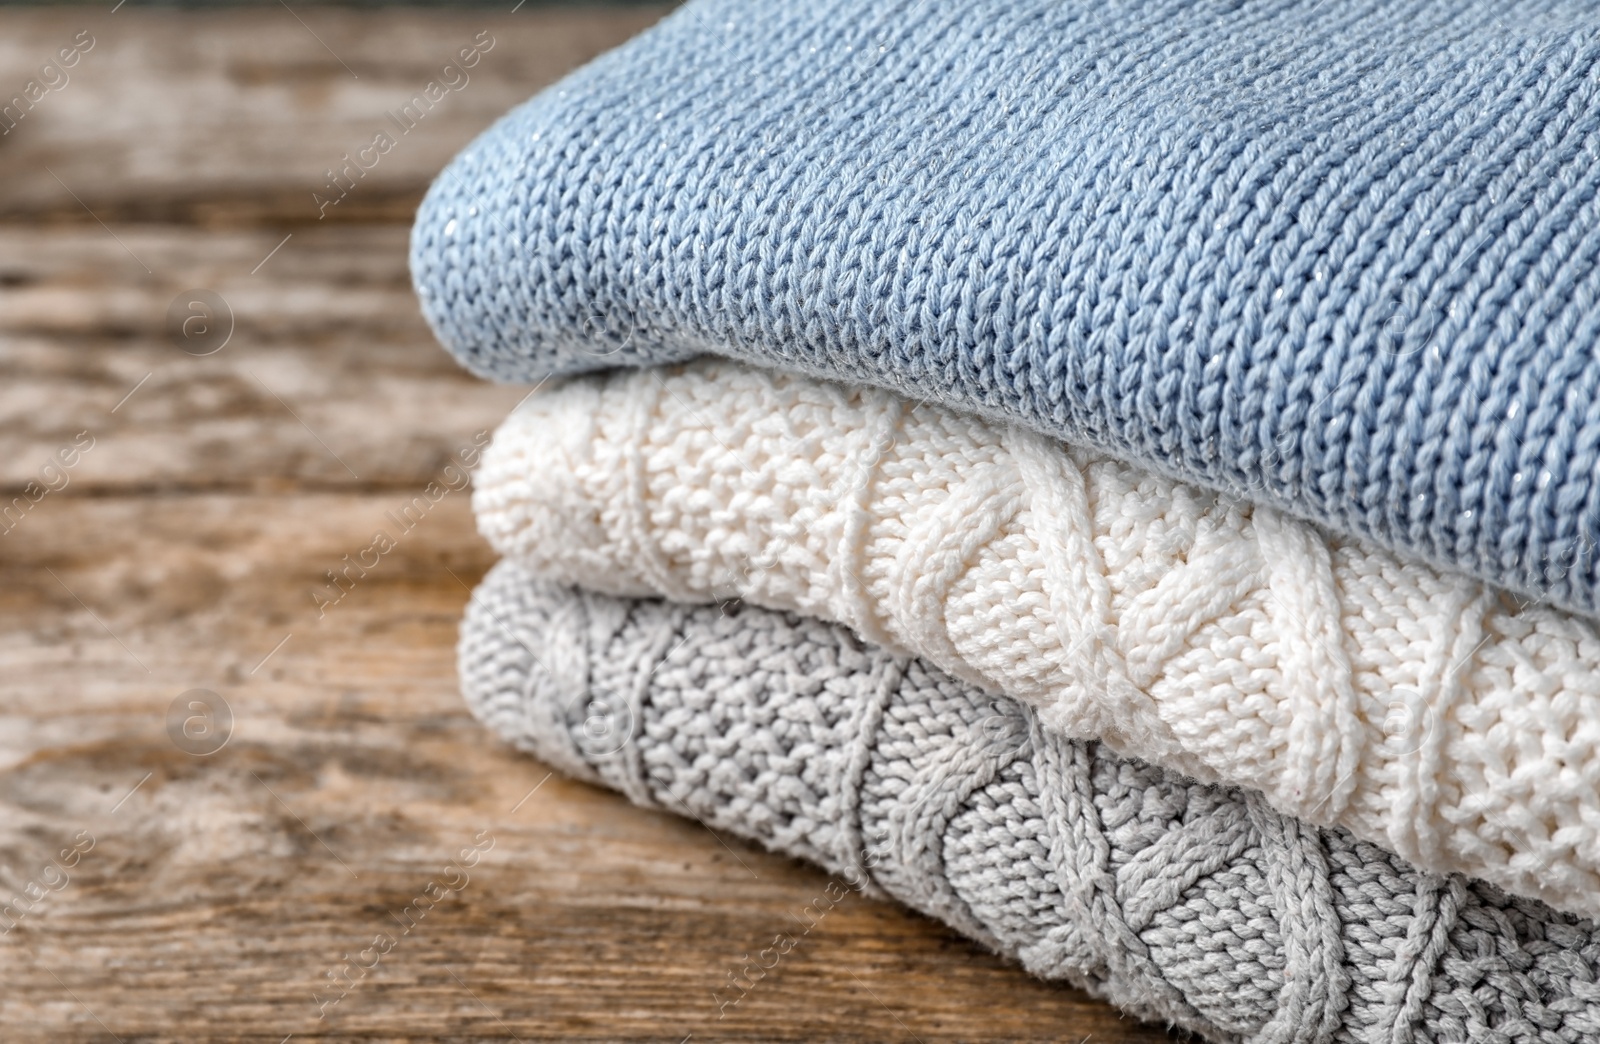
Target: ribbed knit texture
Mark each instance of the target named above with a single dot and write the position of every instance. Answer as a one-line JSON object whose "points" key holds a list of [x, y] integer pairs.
{"points": [[1175, 900], [1218, 639], [1335, 256]]}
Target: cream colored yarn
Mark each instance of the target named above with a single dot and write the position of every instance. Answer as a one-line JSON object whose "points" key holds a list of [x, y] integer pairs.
{"points": [[1419, 710]]}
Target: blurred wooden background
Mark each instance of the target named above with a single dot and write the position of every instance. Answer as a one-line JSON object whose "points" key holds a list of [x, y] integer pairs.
{"points": [[231, 895]]}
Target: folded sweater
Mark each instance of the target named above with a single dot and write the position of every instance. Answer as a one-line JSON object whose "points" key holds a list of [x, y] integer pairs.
{"points": [[1418, 709], [1339, 257], [1180, 902]]}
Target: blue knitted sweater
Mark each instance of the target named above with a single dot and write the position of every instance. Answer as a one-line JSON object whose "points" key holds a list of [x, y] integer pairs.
{"points": [[1333, 255]]}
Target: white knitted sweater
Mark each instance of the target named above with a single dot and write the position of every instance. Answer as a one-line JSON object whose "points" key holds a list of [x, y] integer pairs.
{"points": [[1417, 709]]}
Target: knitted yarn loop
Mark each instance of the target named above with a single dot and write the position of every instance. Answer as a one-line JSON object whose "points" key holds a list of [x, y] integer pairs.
{"points": [[1178, 901], [1339, 258], [1216, 638]]}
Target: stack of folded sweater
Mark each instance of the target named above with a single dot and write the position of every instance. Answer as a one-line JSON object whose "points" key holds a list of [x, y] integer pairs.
{"points": [[1121, 478]]}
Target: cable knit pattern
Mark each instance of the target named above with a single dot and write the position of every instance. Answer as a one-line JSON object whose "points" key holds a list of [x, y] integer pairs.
{"points": [[1218, 639], [1178, 901], [1338, 257]]}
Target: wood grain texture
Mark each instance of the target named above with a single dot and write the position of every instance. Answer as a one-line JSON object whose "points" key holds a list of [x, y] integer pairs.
{"points": [[216, 897], [230, 117]]}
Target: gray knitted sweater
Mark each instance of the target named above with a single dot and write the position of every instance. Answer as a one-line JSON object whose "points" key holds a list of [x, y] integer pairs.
{"points": [[1179, 902]]}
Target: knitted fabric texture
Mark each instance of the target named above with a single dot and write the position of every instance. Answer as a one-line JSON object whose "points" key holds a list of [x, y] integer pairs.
{"points": [[1225, 641], [1336, 257], [1178, 901]]}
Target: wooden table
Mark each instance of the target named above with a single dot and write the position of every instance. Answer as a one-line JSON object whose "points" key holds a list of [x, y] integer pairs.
{"points": [[224, 895]]}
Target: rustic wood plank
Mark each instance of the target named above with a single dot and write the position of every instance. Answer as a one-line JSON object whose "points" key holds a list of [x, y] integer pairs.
{"points": [[229, 117], [329, 365], [182, 552]]}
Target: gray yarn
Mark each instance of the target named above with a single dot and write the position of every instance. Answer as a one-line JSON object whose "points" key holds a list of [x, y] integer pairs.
{"points": [[1179, 902]]}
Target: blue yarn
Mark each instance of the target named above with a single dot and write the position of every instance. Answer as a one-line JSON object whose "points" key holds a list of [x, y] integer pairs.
{"points": [[1338, 256]]}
